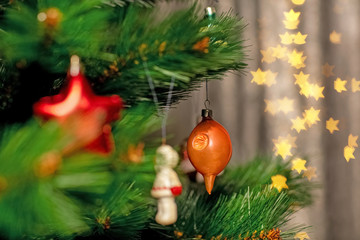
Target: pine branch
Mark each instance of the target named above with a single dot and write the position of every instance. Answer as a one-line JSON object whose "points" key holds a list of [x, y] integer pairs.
{"points": [[3, 5], [76, 28], [138, 122], [248, 175], [123, 3], [84, 175], [35, 54], [182, 44], [244, 214], [74, 186], [29, 204], [122, 213], [243, 202], [114, 44], [87, 176]]}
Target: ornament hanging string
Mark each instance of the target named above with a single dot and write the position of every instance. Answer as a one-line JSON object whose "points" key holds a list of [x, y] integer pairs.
{"points": [[207, 101], [156, 101]]}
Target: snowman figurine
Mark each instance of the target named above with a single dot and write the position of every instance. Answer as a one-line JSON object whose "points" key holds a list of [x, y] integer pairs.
{"points": [[166, 185]]}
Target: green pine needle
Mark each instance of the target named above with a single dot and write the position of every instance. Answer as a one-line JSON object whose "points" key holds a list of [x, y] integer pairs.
{"points": [[29, 40], [122, 213], [167, 47], [114, 45], [29, 204], [242, 203], [259, 172]]}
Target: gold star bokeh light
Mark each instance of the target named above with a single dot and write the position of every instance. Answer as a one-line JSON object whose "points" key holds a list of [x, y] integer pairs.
{"points": [[301, 78], [279, 182], [298, 124], [292, 15], [296, 59], [355, 85], [312, 90], [280, 52], [350, 148], [284, 105], [259, 77], [352, 141], [298, 2], [349, 153], [263, 77], [286, 38], [298, 165], [301, 236], [270, 78], [339, 85], [311, 116], [268, 55], [310, 173], [332, 125], [299, 38], [270, 107], [284, 145], [327, 70], [335, 37], [291, 19], [283, 148], [311, 83]]}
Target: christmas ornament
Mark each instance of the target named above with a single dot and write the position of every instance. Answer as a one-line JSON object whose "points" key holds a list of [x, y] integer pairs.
{"points": [[209, 148], [166, 185], [51, 17], [82, 113], [187, 167]]}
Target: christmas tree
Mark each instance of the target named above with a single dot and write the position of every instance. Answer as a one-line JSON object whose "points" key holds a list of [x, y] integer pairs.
{"points": [[73, 167]]}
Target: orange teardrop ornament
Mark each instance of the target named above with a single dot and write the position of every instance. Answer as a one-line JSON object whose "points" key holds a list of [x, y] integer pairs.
{"points": [[209, 148]]}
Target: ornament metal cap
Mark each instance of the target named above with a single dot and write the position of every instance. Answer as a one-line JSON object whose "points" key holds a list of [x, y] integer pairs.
{"points": [[74, 65], [206, 113], [210, 13]]}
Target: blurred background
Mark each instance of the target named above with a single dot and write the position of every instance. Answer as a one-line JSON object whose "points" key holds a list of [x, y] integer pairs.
{"points": [[258, 112]]}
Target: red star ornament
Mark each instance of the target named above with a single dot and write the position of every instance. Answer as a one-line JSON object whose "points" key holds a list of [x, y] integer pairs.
{"points": [[81, 112]]}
